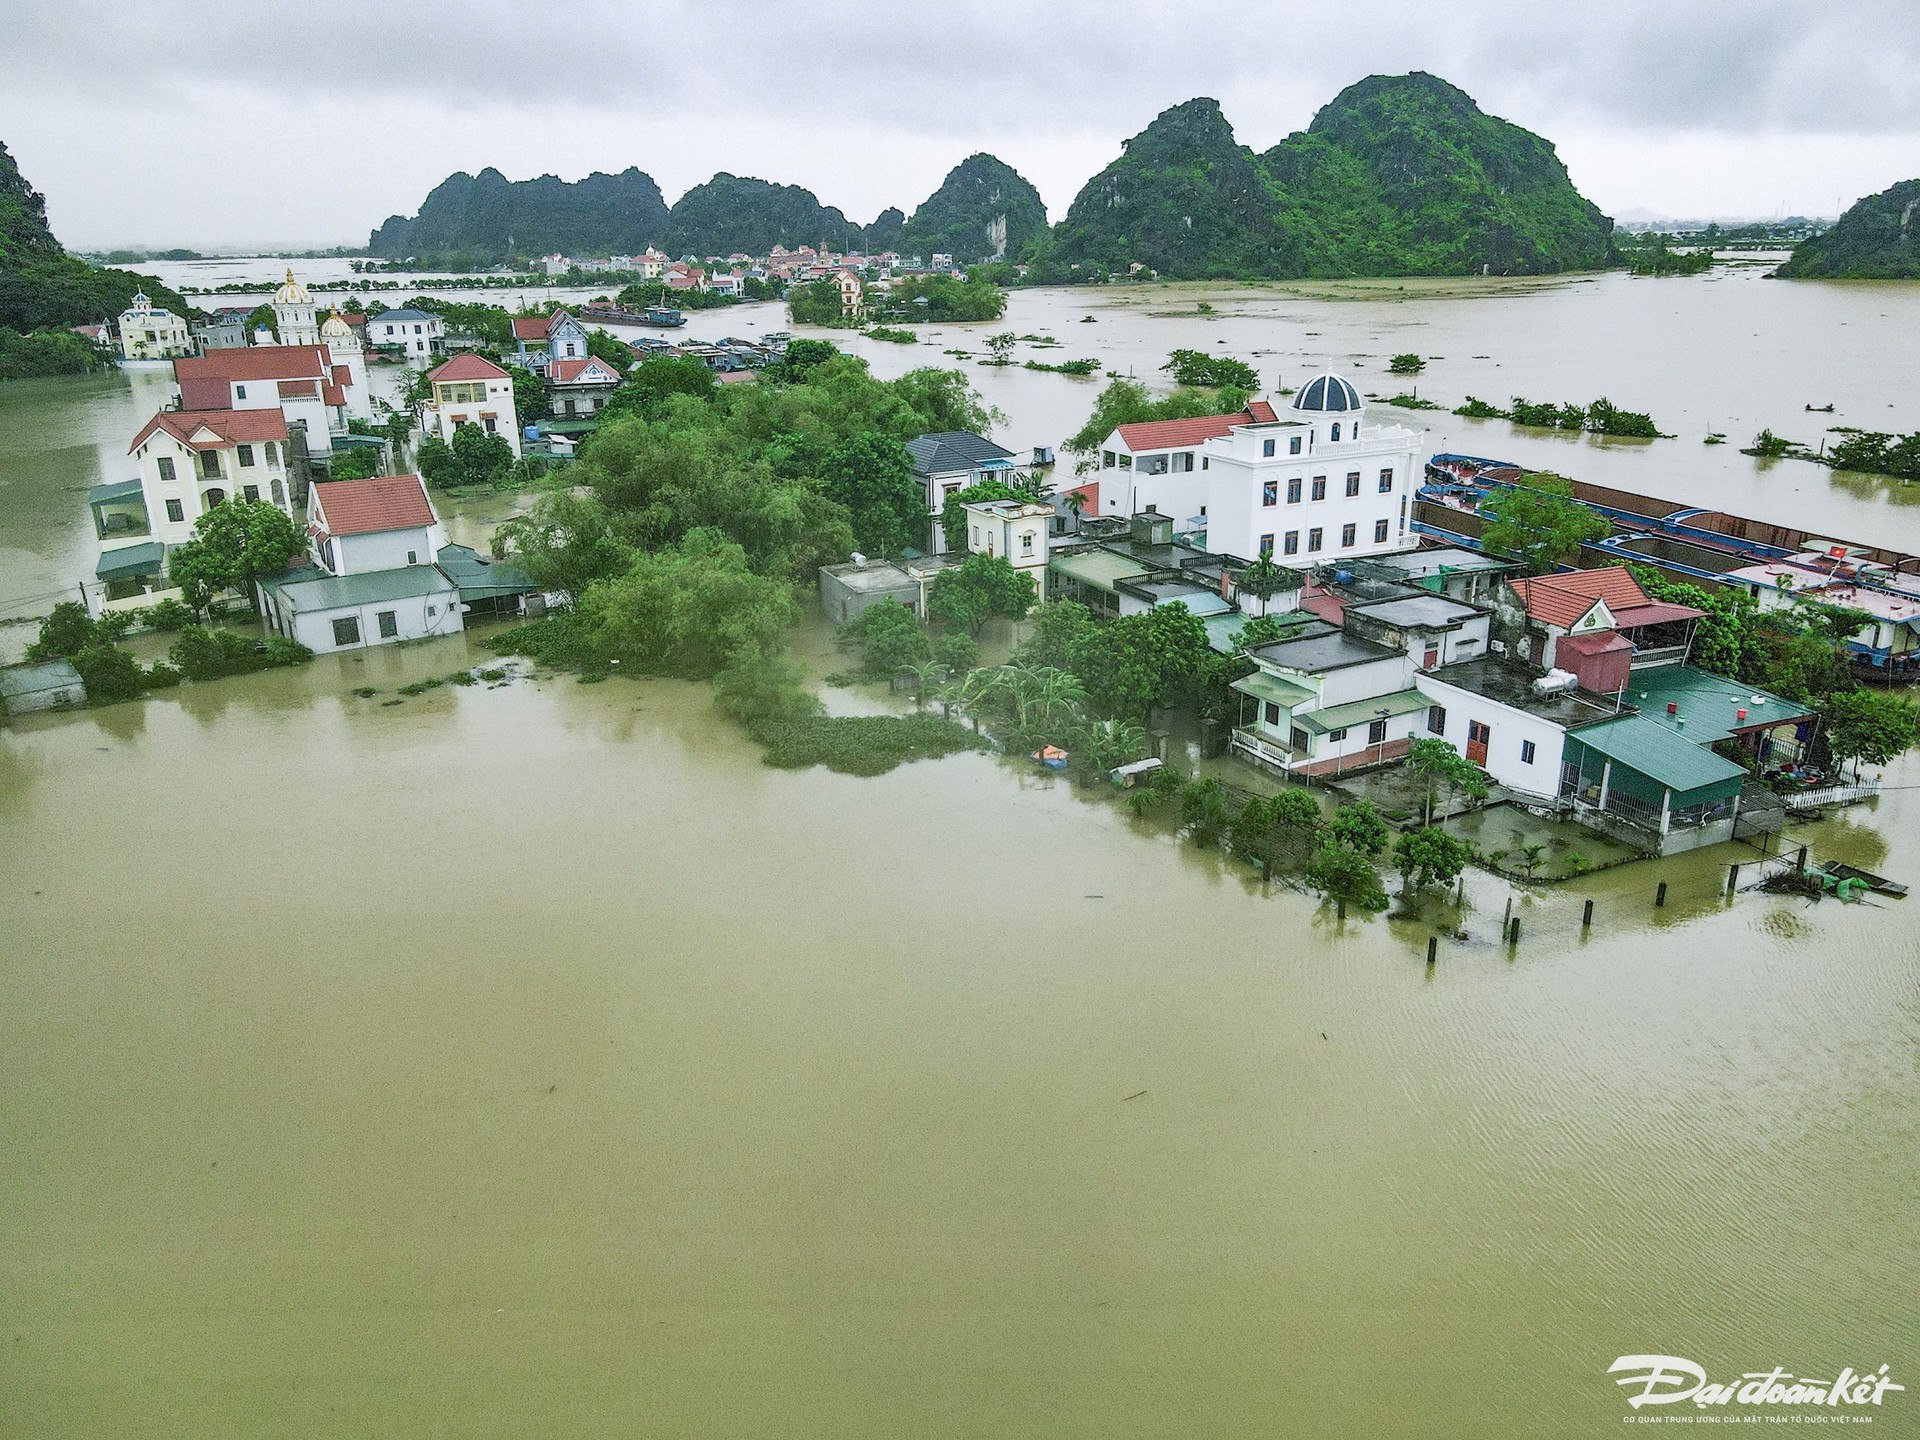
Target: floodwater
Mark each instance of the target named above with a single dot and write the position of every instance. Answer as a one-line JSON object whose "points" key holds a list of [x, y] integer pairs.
{"points": [[534, 1060]]}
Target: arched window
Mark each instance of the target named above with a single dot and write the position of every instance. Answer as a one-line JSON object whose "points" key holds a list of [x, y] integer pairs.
{"points": [[213, 497], [1336, 430]]}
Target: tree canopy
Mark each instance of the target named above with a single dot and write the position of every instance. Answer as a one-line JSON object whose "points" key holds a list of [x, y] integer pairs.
{"points": [[1538, 522]]}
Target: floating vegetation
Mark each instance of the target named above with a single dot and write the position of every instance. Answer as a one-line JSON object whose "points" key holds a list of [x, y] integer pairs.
{"points": [[1716, 437], [1412, 402], [861, 744], [493, 674], [366, 692], [1602, 417], [1066, 367], [893, 337]]}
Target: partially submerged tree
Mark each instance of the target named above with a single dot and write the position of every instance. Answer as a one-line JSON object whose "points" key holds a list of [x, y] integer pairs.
{"points": [[1538, 521], [233, 545], [1429, 856], [1868, 725], [977, 589]]}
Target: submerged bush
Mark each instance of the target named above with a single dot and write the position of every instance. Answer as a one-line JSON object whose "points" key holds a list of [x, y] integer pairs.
{"points": [[861, 744], [205, 653]]}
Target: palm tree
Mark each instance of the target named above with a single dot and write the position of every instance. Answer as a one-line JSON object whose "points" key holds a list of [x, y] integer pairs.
{"points": [[924, 672]]}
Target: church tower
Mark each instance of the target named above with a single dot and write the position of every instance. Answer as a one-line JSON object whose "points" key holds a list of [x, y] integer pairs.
{"points": [[345, 348], [295, 319]]}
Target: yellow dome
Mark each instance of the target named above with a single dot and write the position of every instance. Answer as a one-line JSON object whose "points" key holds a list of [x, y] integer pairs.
{"points": [[334, 328], [292, 293]]}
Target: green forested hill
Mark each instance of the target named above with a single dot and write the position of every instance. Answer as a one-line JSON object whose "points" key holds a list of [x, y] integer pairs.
{"points": [[43, 287], [984, 209], [1185, 198], [485, 218], [1877, 239], [1398, 175], [732, 212], [1404, 174]]}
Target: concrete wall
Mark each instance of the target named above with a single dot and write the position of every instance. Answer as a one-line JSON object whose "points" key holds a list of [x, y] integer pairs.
{"points": [[314, 629], [1510, 728]]}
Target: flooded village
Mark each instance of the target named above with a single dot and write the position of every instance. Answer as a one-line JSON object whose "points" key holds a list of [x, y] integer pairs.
{"points": [[850, 837]]}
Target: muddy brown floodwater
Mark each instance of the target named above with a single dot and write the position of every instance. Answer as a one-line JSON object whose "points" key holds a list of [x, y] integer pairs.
{"points": [[534, 1060]]}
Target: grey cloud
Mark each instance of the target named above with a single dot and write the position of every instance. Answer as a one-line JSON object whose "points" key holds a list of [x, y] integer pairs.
{"points": [[879, 99]]}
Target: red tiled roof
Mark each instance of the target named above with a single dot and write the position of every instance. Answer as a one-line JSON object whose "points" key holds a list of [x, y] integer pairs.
{"points": [[255, 362], [210, 392], [1563, 599], [1174, 434], [1262, 412], [734, 377], [565, 372], [1089, 494], [530, 327], [467, 367], [335, 395], [294, 389], [366, 507], [233, 427], [354, 317]]}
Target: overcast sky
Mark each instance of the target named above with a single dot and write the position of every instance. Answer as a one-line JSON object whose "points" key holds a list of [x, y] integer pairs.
{"points": [[214, 123]]}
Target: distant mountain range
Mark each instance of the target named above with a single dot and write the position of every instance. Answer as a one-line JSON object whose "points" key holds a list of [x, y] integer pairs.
{"points": [[1398, 175], [1878, 239]]}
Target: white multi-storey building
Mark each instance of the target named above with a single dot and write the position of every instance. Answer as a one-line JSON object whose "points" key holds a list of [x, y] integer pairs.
{"points": [[1315, 483], [191, 461], [149, 333], [470, 390]]}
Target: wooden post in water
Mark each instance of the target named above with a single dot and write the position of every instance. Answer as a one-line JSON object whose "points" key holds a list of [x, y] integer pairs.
{"points": [[1508, 916], [1733, 878], [1800, 861], [1513, 931], [1433, 948], [1586, 916], [1660, 895]]}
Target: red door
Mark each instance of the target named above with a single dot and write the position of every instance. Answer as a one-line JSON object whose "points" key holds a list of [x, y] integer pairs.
{"points": [[1478, 734]]}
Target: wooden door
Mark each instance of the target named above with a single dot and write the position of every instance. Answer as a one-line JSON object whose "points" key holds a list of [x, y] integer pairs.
{"points": [[1478, 734]]}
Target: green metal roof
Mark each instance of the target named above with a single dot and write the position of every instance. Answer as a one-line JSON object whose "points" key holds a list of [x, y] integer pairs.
{"points": [[1263, 686], [480, 578], [117, 493], [1661, 754], [1098, 568], [147, 558], [303, 590], [1222, 628], [1707, 703], [1361, 712]]}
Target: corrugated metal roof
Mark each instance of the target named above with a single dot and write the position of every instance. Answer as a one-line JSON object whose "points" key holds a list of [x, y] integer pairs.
{"points": [[482, 579], [337, 592], [147, 558], [1709, 704], [1662, 755], [1098, 568], [1361, 712], [117, 491], [1263, 686], [32, 679]]}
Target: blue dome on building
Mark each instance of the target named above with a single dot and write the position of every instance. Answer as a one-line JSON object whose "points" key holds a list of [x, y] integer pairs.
{"points": [[1327, 392]]}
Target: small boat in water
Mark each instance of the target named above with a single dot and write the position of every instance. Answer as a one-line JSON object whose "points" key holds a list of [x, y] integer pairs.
{"points": [[1879, 884], [1820, 409]]}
